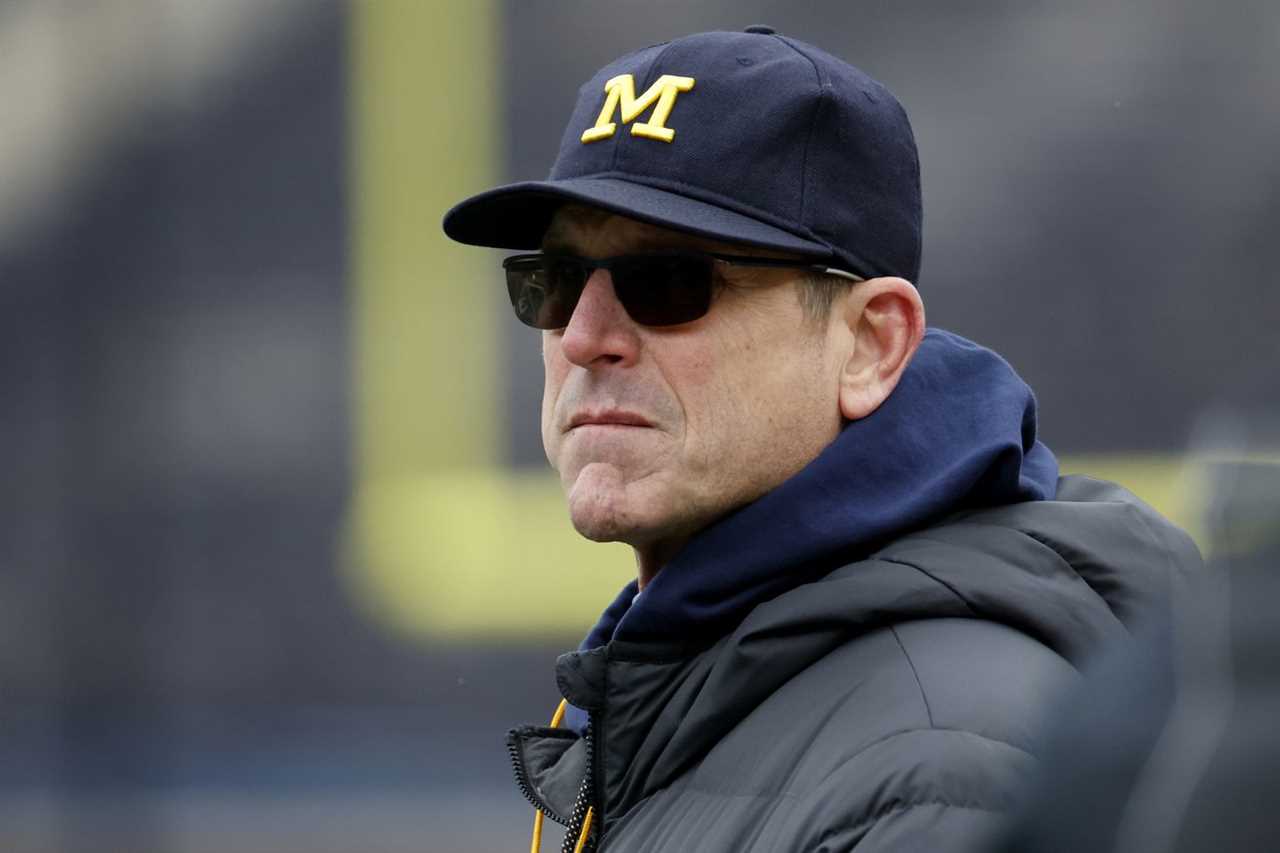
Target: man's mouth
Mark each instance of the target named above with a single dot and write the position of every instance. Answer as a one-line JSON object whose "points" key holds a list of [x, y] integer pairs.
{"points": [[607, 417]]}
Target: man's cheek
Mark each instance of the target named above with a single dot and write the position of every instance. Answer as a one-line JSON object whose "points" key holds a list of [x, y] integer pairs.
{"points": [[697, 370], [551, 437]]}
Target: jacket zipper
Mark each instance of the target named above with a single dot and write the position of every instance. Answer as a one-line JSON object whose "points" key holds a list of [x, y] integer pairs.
{"points": [[586, 797], [522, 778]]}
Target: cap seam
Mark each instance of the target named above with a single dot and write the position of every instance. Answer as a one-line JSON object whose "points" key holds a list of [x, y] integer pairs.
{"points": [[813, 123]]}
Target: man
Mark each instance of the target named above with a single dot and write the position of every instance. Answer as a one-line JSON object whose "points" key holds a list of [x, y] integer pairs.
{"points": [[860, 579]]}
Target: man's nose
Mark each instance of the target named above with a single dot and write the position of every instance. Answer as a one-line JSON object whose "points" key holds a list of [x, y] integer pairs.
{"points": [[600, 328]]}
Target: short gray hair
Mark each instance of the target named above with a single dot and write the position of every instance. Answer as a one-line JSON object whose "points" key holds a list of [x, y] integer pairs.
{"points": [[818, 291]]}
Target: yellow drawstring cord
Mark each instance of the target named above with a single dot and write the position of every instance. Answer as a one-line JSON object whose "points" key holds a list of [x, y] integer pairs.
{"points": [[586, 828], [535, 846]]}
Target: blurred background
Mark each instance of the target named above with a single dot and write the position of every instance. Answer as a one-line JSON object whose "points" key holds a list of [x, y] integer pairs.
{"points": [[280, 557]]}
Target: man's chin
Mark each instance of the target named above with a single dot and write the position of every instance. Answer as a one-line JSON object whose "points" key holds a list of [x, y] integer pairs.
{"points": [[601, 518], [599, 506], [598, 531]]}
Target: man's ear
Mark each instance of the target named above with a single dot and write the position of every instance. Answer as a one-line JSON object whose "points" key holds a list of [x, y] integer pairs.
{"points": [[886, 319]]}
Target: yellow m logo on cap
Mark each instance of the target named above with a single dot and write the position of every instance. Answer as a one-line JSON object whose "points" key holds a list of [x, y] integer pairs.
{"points": [[621, 94]]}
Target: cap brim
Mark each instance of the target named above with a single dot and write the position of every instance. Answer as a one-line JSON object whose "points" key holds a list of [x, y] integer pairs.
{"points": [[516, 216]]}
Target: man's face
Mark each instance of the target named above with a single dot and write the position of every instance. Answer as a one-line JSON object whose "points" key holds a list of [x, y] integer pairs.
{"points": [[659, 431]]}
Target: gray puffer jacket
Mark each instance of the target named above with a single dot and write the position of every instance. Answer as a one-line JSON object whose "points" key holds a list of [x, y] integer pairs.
{"points": [[889, 705]]}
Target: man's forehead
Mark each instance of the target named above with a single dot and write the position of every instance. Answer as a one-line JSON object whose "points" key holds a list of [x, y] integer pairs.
{"points": [[580, 227]]}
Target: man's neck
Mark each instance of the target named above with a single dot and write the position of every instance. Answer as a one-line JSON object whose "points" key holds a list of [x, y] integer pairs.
{"points": [[651, 558]]}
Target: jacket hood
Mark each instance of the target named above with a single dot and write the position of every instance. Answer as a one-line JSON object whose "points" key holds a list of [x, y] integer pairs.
{"points": [[959, 432]]}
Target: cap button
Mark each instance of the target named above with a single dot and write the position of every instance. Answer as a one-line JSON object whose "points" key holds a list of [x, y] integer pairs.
{"points": [[760, 29]]}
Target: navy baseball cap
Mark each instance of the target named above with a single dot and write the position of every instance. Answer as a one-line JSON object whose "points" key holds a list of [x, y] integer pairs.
{"points": [[747, 137]]}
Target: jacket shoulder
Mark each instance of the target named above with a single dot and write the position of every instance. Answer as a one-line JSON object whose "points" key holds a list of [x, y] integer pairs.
{"points": [[983, 677], [944, 674], [891, 695], [951, 764]]}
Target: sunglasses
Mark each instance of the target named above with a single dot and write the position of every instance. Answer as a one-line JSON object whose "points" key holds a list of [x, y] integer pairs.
{"points": [[655, 288]]}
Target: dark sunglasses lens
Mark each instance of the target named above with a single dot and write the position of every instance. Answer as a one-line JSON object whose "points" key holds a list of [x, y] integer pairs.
{"points": [[663, 290], [544, 290]]}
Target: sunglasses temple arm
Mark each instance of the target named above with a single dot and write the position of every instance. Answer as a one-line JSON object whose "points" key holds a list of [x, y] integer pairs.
{"points": [[838, 273]]}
